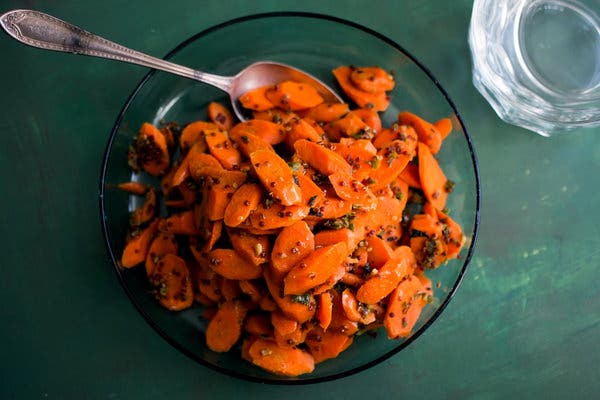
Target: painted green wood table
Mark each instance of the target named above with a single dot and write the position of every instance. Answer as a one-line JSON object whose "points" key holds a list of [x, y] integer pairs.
{"points": [[524, 324]]}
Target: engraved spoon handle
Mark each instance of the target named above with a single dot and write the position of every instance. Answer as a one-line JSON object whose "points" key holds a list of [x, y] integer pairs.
{"points": [[47, 32]]}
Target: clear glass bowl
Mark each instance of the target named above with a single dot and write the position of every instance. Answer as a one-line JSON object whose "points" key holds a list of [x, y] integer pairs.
{"points": [[316, 44], [537, 62]]}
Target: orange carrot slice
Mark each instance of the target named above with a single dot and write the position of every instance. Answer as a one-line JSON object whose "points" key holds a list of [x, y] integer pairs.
{"points": [[229, 264], [133, 187], [405, 305], [321, 158], [276, 176], [433, 180], [194, 133], [136, 249], [388, 276], [151, 149], [314, 269], [375, 101], [291, 245], [286, 361], [172, 283], [290, 95], [426, 131], [225, 328], [222, 149], [220, 115], [256, 99], [326, 112], [372, 79], [243, 202]]}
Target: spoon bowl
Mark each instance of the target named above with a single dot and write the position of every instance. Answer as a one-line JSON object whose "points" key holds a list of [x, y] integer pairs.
{"points": [[44, 31]]}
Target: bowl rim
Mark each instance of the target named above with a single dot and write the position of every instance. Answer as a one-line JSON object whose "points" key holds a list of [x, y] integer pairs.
{"points": [[307, 380]]}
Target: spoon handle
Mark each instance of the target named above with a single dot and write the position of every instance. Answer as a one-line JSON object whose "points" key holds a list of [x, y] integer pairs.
{"points": [[47, 32]]}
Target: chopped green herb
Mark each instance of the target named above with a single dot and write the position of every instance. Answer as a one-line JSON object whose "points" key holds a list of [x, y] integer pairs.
{"points": [[374, 162], [301, 298]]}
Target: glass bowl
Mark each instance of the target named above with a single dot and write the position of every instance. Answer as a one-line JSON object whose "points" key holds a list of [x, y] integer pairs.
{"points": [[317, 44]]}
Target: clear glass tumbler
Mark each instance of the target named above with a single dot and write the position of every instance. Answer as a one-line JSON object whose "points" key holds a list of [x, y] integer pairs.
{"points": [[537, 62]]}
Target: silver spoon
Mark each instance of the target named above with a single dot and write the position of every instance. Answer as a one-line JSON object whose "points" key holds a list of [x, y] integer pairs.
{"points": [[47, 32]]}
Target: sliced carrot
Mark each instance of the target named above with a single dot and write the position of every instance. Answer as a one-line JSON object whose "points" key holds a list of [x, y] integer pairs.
{"points": [[427, 132], [301, 308], [221, 147], [394, 158], [375, 101], [360, 154], [379, 252], [243, 202], [292, 339], [433, 180], [410, 175], [230, 289], [314, 269], [194, 133], [350, 305], [444, 126], [291, 245], [282, 323], [290, 95], [220, 115], [388, 276], [276, 115], [339, 321], [276, 176], [324, 309], [201, 165], [321, 158], [253, 289], [404, 306], [163, 243], [350, 279], [372, 79], [267, 303], [452, 234], [311, 192], [330, 207], [206, 281], [301, 129], [350, 125], [369, 117], [225, 328], [229, 264], [269, 132], [218, 195], [286, 361], [259, 325], [332, 236], [256, 99], [277, 216], [136, 249], [324, 345], [172, 284], [146, 212], [182, 223], [326, 112], [427, 240], [152, 150], [254, 248], [350, 189], [133, 187], [211, 234]]}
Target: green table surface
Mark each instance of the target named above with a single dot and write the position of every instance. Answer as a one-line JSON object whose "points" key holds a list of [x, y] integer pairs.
{"points": [[524, 324]]}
